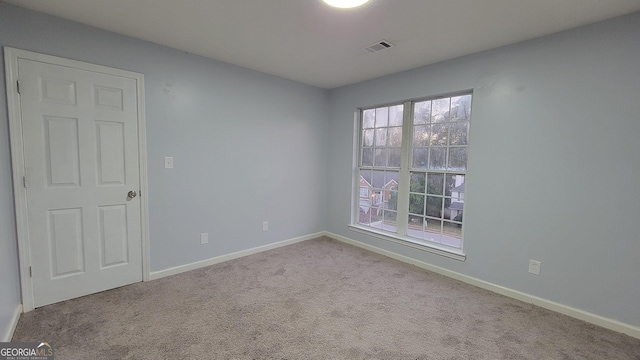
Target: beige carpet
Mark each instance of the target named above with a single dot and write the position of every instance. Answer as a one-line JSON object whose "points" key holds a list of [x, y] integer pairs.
{"points": [[319, 299]]}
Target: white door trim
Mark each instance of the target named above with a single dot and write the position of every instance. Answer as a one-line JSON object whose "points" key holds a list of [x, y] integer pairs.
{"points": [[11, 56]]}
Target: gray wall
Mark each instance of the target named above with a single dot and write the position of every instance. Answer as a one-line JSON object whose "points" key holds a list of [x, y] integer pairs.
{"points": [[9, 284], [247, 147], [553, 168]]}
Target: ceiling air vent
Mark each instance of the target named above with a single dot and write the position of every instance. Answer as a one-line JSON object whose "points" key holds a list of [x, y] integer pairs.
{"points": [[379, 45]]}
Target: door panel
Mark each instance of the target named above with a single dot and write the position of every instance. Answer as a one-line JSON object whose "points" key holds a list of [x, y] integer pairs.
{"points": [[61, 151], [58, 91], [65, 242], [114, 239], [111, 161], [80, 137]]}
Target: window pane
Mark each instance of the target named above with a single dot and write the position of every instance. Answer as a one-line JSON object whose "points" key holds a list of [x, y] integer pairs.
{"points": [[451, 234], [367, 137], [455, 209], [381, 137], [440, 110], [421, 112], [433, 230], [461, 107], [365, 179], [439, 134], [421, 135], [435, 183], [457, 159], [417, 182], [415, 223], [382, 117], [376, 178], [459, 133], [395, 115], [391, 180], [365, 199], [376, 216], [380, 158], [434, 206], [416, 204], [395, 157], [420, 156], [416, 230], [364, 213], [437, 158], [455, 183], [368, 119], [378, 198], [367, 157], [389, 221], [395, 136]]}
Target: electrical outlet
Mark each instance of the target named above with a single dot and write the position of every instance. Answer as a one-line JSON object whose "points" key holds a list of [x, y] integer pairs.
{"points": [[204, 238], [168, 162], [265, 225], [534, 267]]}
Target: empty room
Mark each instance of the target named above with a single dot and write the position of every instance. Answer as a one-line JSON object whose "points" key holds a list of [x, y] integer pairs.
{"points": [[286, 179]]}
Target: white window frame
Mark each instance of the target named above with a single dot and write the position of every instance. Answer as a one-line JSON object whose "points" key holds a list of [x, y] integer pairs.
{"points": [[400, 236]]}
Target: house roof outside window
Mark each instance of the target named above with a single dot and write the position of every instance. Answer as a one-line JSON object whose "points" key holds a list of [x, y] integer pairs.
{"points": [[377, 178]]}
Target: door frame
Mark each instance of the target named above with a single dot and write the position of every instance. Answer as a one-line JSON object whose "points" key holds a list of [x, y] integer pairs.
{"points": [[11, 57]]}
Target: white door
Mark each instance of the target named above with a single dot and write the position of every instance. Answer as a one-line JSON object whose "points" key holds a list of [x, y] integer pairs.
{"points": [[81, 160]]}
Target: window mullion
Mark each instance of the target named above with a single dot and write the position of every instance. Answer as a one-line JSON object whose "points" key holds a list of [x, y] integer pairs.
{"points": [[357, 160], [403, 177]]}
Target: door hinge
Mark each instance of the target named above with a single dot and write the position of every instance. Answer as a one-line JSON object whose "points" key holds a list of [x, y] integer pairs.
{"points": [[18, 82], [30, 272], [24, 181]]}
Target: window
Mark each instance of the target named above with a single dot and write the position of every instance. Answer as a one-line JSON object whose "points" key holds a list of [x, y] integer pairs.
{"points": [[412, 164]]}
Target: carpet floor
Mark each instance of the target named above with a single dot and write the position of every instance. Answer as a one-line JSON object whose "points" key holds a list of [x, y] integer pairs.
{"points": [[318, 299]]}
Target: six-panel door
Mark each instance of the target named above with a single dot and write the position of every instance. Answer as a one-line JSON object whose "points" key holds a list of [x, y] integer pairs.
{"points": [[81, 159]]}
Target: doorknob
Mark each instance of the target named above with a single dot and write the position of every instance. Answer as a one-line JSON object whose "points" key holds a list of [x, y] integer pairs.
{"points": [[132, 194]]}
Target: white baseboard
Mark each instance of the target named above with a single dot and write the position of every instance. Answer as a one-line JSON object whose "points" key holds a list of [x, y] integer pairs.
{"points": [[604, 322], [12, 325], [218, 259]]}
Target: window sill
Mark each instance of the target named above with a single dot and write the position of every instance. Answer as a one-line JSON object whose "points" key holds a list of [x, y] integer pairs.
{"points": [[406, 241]]}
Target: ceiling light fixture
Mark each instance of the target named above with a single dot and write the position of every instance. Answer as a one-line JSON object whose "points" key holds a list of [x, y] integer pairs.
{"points": [[345, 4]]}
